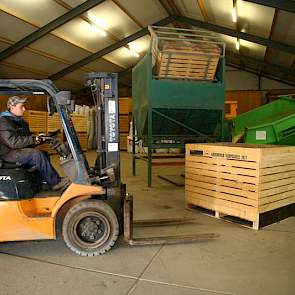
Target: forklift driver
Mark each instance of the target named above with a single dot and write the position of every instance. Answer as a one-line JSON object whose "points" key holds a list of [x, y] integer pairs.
{"points": [[17, 144]]}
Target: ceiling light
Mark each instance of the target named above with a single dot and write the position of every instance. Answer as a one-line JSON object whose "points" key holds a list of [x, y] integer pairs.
{"points": [[234, 11], [96, 29], [38, 92], [98, 21], [133, 51], [238, 44]]}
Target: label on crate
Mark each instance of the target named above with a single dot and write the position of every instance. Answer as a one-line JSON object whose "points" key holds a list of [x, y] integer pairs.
{"points": [[226, 156]]}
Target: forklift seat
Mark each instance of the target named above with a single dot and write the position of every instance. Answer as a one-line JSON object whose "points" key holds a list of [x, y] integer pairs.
{"points": [[7, 165]]}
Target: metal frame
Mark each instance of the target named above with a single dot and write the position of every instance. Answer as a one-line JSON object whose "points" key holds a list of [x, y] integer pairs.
{"points": [[61, 99], [287, 5], [49, 27], [230, 32]]}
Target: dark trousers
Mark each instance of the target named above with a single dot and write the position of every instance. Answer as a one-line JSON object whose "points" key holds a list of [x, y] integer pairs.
{"points": [[34, 158]]}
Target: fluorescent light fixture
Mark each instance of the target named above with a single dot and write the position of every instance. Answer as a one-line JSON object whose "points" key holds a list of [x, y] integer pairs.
{"points": [[238, 44], [96, 29], [234, 11], [38, 92], [98, 21], [133, 50]]}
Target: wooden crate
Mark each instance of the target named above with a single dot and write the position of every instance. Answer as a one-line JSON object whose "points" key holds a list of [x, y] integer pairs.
{"points": [[37, 121], [53, 123], [79, 122], [193, 62], [124, 121], [231, 109], [83, 139], [125, 105], [123, 141], [240, 180]]}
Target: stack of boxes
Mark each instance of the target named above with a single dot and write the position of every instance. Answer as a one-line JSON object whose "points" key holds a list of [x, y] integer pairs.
{"points": [[125, 116], [41, 122]]}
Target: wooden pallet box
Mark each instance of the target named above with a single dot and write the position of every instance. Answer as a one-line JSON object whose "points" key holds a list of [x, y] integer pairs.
{"points": [[125, 105], [123, 141], [124, 121], [54, 123], [37, 121], [79, 122], [187, 61], [240, 180], [83, 139]]}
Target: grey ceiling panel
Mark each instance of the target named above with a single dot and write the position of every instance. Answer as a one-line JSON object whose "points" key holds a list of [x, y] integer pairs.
{"points": [[49, 27]]}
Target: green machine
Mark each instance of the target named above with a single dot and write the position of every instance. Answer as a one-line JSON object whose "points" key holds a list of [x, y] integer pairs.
{"points": [[273, 123], [178, 90]]}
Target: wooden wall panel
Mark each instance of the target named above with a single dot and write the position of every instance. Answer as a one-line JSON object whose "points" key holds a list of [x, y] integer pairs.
{"points": [[247, 100]]}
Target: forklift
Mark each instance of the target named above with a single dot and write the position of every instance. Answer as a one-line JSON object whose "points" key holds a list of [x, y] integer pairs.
{"points": [[95, 209]]}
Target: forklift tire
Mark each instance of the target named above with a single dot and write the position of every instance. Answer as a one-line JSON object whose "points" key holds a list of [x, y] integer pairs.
{"points": [[90, 228]]}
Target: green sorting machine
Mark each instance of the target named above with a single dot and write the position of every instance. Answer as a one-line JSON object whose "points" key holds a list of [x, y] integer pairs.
{"points": [[178, 90], [273, 123]]}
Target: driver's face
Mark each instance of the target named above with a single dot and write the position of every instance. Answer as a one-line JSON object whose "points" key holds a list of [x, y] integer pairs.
{"points": [[18, 109]]}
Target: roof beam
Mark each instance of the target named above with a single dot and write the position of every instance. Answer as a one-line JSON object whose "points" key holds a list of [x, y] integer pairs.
{"points": [[287, 5], [108, 49], [262, 75], [233, 33], [247, 59], [49, 27]]}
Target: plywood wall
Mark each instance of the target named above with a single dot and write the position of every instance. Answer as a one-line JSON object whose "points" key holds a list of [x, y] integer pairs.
{"points": [[247, 100], [35, 102]]}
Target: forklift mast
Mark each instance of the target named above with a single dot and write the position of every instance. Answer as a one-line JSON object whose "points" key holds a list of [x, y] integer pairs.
{"points": [[104, 92]]}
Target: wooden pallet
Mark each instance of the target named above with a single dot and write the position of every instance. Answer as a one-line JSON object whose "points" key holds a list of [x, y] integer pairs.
{"points": [[240, 180], [37, 121]]}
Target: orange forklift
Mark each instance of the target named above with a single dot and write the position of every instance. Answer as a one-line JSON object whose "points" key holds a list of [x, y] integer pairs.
{"points": [[94, 209]]}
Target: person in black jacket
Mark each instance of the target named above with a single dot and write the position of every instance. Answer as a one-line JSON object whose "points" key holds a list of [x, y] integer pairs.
{"points": [[17, 144]]}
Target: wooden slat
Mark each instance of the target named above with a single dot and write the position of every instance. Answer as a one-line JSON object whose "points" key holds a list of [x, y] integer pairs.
{"points": [[226, 169], [277, 197], [219, 181], [227, 176], [276, 183], [222, 189], [221, 161], [277, 176], [187, 62], [275, 205], [226, 207]]}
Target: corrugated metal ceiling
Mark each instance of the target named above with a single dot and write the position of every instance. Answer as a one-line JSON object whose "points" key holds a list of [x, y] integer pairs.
{"points": [[75, 40]]}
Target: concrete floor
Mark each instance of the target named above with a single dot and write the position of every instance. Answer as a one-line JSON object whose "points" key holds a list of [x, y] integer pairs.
{"points": [[241, 261]]}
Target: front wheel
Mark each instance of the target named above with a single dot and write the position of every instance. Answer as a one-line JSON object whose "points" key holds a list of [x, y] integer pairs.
{"points": [[90, 228]]}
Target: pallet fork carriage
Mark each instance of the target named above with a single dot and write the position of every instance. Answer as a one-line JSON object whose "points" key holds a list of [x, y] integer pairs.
{"points": [[93, 210]]}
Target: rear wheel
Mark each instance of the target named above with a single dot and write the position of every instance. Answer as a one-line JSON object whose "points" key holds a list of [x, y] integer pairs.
{"points": [[90, 228]]}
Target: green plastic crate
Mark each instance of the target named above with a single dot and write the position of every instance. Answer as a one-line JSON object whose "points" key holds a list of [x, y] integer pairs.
{"points": [[273, 123]]}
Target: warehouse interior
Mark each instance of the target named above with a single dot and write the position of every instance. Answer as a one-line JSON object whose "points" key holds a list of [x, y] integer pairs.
{"points": [[204, 139]]}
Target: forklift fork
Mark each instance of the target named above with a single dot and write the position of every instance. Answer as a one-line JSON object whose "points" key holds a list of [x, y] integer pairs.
{"points": [[129, 224]]}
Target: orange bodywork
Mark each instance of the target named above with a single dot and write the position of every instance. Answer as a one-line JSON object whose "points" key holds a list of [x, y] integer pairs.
{"points": [[34, 219]]}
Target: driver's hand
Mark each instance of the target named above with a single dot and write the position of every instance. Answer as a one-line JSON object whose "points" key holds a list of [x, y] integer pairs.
{"points": [[38, 139]]}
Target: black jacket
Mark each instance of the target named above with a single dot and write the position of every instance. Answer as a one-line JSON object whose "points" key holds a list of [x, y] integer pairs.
{"points": [[14, 133]]}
